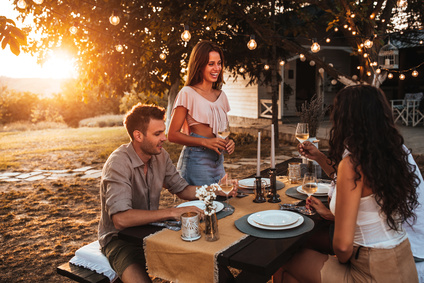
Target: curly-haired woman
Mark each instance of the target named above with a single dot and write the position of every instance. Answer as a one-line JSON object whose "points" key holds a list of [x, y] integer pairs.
{"points": [[375, 193]]}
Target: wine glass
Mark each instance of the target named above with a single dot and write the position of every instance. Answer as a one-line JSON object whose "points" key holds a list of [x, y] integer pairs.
{"points": [[310, 187], [302, 132], [224, 132], [227, 185]]}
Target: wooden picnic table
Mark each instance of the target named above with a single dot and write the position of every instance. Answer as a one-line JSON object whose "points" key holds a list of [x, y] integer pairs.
{"points": [[257, 258]]}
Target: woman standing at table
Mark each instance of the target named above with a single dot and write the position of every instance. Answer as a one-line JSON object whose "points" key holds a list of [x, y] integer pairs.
{"points": [[199, 113], [375, 193]]}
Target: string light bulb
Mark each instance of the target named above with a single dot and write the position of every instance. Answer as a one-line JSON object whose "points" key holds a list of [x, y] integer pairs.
{"points": [[302, 57], [345, 26], [378, 71], [321, 70], [415, 73], [336, 29], [242, 70], [312, 63], [266, 67], [365, 55], [402, 3], [22, 4], [327, 40], [162, 56], [252, 43], [186, 36], [333, 81], [282, 62], [39, 2], [315, 47], [119, 47], [401, 77], [73, 29], [368, 43], [390, 76], [369, 74], [372, 16], [355, 77], [114, 19]]}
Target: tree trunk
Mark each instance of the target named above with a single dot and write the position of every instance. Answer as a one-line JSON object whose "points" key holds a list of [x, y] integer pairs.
{"points": [[173, 92]]}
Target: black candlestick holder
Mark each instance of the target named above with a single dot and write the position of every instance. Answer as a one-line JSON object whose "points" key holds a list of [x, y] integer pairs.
{"points": [[274, 197], [260, 197]]}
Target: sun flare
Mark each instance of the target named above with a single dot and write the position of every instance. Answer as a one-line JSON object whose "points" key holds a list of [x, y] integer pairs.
{"points": [[59, 65]]}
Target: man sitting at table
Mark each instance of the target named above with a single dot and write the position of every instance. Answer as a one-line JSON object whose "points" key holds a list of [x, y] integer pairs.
{"points": [[131, 183]]}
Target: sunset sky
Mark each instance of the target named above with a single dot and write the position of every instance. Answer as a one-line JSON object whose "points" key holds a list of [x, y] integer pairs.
{"points": [[25, 66]]}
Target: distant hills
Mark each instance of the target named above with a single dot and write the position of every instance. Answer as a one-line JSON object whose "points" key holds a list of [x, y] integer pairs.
{"points": [[41, 86]]}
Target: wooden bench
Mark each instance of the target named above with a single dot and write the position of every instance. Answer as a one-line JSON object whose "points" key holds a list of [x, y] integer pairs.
{"points": [[81, 274]]}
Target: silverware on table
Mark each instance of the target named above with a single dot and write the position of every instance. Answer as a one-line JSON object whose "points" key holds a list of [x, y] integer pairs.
{"points": [[294, 207], [169, 224]]}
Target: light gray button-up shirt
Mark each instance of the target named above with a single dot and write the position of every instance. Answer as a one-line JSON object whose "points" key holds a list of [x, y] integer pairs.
{"points": [[124, 185]]}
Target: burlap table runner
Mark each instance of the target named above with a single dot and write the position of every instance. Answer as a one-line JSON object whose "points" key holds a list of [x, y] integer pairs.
{"points": [[170, 258]]}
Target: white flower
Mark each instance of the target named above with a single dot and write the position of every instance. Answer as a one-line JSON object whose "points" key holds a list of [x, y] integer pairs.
{"points": [[207, 195]]}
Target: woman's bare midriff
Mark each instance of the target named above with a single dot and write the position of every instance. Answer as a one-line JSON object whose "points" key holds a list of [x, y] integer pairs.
{"points": [[203, 130]]}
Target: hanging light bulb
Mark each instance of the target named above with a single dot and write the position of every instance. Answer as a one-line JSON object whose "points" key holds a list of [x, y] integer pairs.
{"points": [[369, 74], [401, 77], [390, 76], [242, 70], [378, 71], [252, 43], [365, 55], [345, 26], [282, 62], [327, 40], [372, 16], [368, 43], [354, 32], [421, 42], [402, 3], [73, 29], [352, 16], [331, 65], [119, 47], [333, 81], [186, 36], [162, 56], [302, 57], [312, 63], [22, 4], [321, 70], [415, 73], [39, 2], [114, 19], [315, 47], [355, 77], [266, 67], [336, 29]]}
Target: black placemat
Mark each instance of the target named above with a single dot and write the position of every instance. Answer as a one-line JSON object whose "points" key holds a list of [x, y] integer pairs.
{"points": [[292, 192], [223, 213], [245, 227], [279, 185]]}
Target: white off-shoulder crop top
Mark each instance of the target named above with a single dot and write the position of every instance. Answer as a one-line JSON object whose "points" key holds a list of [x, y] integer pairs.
{"points": [[372, 229], [201, 110]]}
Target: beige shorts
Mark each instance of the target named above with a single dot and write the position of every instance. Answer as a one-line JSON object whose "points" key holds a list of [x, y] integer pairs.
{"points": [[373, 265]]}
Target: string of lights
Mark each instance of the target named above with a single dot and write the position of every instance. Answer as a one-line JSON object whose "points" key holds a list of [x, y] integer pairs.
{"points": [[366, 43]]}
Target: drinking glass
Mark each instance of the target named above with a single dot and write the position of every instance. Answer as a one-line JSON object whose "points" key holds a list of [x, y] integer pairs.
{"points": [[309, 186], [225, 132], [302, 132], [227, 185]]}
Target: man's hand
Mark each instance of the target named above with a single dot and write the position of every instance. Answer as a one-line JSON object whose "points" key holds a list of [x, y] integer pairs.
{"points": [[177, 211]]}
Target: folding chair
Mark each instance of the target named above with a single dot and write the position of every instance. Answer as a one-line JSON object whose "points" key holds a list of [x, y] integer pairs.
{"points": [[406, 108]]}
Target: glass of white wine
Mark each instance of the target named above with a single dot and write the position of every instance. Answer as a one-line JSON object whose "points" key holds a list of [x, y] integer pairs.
{"points": [[302, 132], [310, 187], [224, 132], [227, 185]]}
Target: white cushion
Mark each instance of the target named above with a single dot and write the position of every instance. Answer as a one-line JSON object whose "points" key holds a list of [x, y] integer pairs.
{"points": [[91, 257]]}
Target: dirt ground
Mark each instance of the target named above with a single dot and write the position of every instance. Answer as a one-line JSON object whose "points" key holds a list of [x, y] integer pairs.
{"points": [[43, 223]]}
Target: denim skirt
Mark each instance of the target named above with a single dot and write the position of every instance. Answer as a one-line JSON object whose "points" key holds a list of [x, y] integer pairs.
{"points": [[200, 165]]}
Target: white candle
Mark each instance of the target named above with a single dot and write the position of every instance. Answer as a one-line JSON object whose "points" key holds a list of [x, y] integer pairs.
{"points": [[272, 147], [258, 166]]}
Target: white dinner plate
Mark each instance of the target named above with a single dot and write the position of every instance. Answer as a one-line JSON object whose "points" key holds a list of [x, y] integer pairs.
{"points": [[275, 218], [291, 226], [199, 203], [249, 183], [322, 190]]}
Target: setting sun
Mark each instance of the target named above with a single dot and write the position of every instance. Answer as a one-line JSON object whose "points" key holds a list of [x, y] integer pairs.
{"points": [[58, 66]]}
